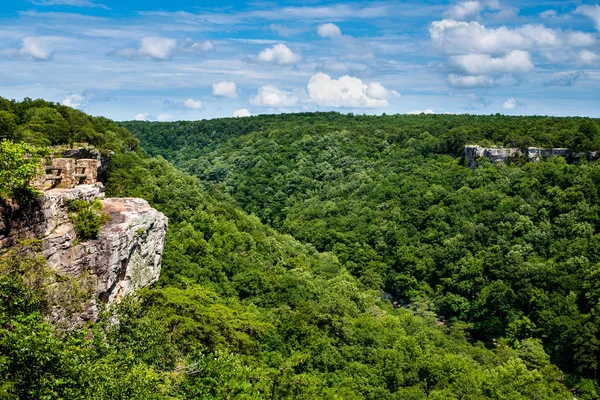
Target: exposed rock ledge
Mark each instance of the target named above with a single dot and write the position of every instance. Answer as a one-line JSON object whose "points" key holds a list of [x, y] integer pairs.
{"points": [[125, 257], [535, 154]]}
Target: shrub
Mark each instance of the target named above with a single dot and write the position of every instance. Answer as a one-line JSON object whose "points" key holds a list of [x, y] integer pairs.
{"points": [[19, 164], [88, 218]]}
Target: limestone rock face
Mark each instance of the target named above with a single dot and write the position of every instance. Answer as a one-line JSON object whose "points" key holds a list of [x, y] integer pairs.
{"points": [[496, 155], [503, 155], [125, 257], [39, 218]]}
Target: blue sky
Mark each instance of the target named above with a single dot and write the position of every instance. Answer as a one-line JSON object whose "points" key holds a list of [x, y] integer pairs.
{"points": [[176, 59]]}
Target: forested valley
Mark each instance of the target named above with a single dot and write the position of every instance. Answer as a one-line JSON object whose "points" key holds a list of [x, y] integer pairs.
{"points": [[327, 256]]}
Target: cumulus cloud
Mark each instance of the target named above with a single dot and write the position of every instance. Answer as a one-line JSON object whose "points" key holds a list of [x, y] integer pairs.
{"points": [[279, 54], [157, 47], [225, 89], [549, 14], [517, 61], [587, 57], [154, 47], [480, 56], [463, 10], [469, 81], [73, 100], [162, 48], [417, 112], [459, 37], [272, 96], [581, 39], [32, 47], [590, 11], [329, 31], [347, 92], [242, 112], [377, 91], [509, 104], [192, 104], [35, 47], [189, 45], [141, 117]]}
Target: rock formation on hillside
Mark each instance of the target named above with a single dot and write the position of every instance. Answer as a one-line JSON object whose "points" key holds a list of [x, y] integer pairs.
{"points": [[125, 256], [535, 154]]}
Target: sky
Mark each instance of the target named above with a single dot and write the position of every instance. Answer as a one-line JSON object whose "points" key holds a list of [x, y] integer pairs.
{"points": [[188, 60]]}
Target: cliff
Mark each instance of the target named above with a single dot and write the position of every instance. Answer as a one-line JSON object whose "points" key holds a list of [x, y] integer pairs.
{"points": [[535, 154], [124, 257]]}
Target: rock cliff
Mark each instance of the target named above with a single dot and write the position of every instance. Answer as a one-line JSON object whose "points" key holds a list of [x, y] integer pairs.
{"points": [[125, 256], [535, 154]]}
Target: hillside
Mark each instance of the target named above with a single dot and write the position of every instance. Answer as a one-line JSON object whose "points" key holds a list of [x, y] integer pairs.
{"points": [[294, 303], [510, 251]]}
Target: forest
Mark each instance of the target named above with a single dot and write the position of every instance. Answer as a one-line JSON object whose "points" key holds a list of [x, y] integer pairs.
{"points": [[329, 256]]}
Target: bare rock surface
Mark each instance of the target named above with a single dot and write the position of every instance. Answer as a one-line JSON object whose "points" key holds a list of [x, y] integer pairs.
{"points": [[504, 154], [125, 257]]}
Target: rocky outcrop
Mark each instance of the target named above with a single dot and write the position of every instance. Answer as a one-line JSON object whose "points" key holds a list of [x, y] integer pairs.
{"points": [[125, 257], [86, 152], [41, 217], [496, 155], [503, 155]]}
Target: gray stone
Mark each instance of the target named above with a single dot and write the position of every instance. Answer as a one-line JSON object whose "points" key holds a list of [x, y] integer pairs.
{"points": [[125, 257], [503, 155]]}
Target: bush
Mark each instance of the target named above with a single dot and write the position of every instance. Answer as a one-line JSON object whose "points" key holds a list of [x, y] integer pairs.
{"points": [[88, 218], [19, 164]]}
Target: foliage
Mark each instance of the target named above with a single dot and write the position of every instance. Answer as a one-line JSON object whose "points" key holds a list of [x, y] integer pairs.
{"points": [[42, 123], [509, 250], [87, 218], [19, 164], [376, 266]]}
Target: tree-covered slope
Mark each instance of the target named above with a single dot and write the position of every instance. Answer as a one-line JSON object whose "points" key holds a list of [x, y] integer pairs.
{"points": [[243, 311], [512, 251]]}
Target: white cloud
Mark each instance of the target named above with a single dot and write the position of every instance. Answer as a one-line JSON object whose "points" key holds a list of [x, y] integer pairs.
{"points": [[463, 10], [197, 47], [33, 47], [225, 89], [164, 117], [591, 11], [242, 112], [279, 54], [517, 61], [549, 14], [587, 57], [72, 3], [417, 112], [509, 104], [141, 117], [157, 47], [581, 39], [458, 37], [163, 48], [469, 81], [73, 100], [329, 31], [272, 96], [193, 104], [347, 92], [377, 91]]}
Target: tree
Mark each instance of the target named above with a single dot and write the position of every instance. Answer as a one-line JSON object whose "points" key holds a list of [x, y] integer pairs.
{"points": [[8, 126], [18, 166]]}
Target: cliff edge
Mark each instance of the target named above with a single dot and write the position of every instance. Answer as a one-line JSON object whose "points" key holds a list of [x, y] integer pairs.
{"points": [[125, 256]]}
